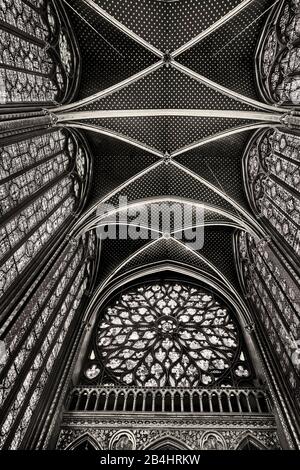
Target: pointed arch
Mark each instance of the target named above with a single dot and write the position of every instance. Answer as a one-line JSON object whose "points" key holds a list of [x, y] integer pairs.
{"points": [[87, 372], [208, 276], [44, 182], [272, 184], [44, 68], [108, 213], [249, 442], [167, 442], [276, 68], [85, 439]]}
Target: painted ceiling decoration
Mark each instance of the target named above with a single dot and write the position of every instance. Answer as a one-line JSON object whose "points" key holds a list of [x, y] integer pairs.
{"points": [[154, 103]]}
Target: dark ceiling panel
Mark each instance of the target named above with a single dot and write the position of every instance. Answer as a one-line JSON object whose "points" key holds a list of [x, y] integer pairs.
{"points": [[114, 252], [227, 56], [167, 25], [217, 249], [168, 180], [108, 56], [167, 88], [162, 251], [220, 162], [168, 134], [114, 163]]}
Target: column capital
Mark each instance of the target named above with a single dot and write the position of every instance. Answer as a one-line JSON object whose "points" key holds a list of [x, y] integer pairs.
{"points": [[291, 119]]}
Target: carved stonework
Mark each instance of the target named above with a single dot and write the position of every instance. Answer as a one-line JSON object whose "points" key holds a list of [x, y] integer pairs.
{"points": [[189, 340], [272, 181], [123, 440], [212, 441], [274, 292], [278, 55], [135, 432]]}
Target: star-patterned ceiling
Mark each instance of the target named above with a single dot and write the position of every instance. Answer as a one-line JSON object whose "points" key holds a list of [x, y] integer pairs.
{"points": [[145, 55]]}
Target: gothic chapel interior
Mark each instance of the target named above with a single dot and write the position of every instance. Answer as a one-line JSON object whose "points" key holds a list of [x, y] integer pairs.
{"points": [[146, 342]]}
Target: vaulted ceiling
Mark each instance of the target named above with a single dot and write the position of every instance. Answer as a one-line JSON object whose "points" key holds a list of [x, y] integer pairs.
{"points": [[168, 55]]}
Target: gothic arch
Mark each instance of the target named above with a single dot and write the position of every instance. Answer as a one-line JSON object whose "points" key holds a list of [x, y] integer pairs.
{"points": [[249, 442], [82, 440], [185, 271], [212, 440], [166, 442], [208, 284], [39, 55], [44, 182], [272, 179]]}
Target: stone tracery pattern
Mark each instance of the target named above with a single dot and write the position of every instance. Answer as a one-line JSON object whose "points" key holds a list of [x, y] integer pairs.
{"points": [[272, 174], [168, 334], [211, 367], [38, 62], [42, 326], [43, 181], [274, 293], [190, 433], [279, 54]]}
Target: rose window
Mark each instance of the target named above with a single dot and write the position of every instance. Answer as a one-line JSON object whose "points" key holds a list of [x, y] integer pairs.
{"points": [[167, 334]]}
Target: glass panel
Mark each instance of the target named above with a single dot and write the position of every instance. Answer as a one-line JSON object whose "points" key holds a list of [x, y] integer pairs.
{"points": [[42, 180], [273, 182], [37, 61], [167, 334], [279, 54], [51, 313], [273, 288]]}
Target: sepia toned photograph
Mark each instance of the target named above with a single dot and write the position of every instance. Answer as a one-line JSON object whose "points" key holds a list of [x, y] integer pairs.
{"points": [[150, 230]]}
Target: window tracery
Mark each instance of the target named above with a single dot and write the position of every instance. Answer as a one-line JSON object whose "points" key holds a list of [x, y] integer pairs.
{"points": [[272, 177], [43, 181], [167, 334], [279, 54], [38, 59], [42, 328], [274, 292]]}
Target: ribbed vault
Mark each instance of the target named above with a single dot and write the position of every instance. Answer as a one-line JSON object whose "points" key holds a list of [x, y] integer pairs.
{"points": [[135, 72], [141, 144]]}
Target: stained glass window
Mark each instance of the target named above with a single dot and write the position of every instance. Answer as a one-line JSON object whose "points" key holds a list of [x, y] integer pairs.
{"points": [[271, 167], [37, 59], [273, 288], [279, 54], [43, 180], [167, 334], [34, 342]]}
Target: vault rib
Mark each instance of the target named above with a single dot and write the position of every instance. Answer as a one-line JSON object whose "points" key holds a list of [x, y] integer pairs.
{"points": [[224, 90], [237, 221], [100, 11], [128, 113], [225, 196], [218, 136], [115, 135], [231, 14], [110, 90]]}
